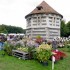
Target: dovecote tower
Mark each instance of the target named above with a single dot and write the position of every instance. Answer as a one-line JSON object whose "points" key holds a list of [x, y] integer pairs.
{"points": [[43, 21]]}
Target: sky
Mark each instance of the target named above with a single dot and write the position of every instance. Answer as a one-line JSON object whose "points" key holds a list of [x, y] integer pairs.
{"points": [[13, 12]]}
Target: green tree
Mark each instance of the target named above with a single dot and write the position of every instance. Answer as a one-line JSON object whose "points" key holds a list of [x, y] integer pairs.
{"points": [[68, 27], [65, 29], [2, 29], [11, 29], [62, 29]]}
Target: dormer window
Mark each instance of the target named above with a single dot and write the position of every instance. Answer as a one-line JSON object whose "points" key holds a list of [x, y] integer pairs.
{"points": [[39, 7]]}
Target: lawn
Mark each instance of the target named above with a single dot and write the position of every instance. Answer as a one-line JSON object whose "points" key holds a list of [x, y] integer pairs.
{"points": [[13, 63]]}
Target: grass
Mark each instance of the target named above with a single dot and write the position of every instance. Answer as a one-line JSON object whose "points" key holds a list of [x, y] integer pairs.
{"points": [[12, 63]]}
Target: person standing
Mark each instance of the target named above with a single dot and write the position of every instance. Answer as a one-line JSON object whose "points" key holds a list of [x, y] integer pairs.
{"points": [[54, 44]]}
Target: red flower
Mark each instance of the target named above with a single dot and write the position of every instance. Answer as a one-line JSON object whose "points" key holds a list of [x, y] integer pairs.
{"points": [[58, 55], [39, 40]]}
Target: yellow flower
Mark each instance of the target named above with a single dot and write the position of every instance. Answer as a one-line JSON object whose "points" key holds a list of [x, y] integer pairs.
{"points": [[45, 46]]}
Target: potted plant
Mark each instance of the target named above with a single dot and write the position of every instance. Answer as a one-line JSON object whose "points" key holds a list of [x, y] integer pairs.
{"points": [[44, 53], [43, 56], [39, 39]]}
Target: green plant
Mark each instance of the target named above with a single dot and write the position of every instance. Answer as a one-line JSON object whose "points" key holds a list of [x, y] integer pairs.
{"points": [[8, 48], [68, 46], [23, 49], [35, 55], [44, 52], [43, 55], [31, 52], [45, 46]]}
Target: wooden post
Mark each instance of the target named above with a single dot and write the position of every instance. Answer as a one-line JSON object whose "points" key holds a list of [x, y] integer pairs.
{"points": [[53, 60]]}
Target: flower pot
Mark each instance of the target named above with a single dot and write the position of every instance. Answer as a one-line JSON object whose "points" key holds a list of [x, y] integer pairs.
{"points": [[55, 61], [30, 55], [61, 58], [45, 63]]}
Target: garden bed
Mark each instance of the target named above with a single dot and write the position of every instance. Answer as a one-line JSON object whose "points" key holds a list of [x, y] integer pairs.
{"points": [[10, 62]]}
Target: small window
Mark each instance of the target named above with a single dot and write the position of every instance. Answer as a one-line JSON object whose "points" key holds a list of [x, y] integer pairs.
{"points": [[39, 7], [34, 21], [43, 16], [34, 17], [38, 24], [34, 24], [43, 20], [38, 20], [29, 20], [38, 17], [44, 24], [57, 18], [50, 17], [57, 21], [51, 24], [57, 25], [50, 20]]}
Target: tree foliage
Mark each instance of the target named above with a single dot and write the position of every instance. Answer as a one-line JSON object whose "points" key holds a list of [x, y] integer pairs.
{"points": [[11, 29], [65, 29], [68, 27]]}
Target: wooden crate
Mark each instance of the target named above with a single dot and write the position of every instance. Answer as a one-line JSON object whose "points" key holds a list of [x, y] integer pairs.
{"points": [[20, 54]]}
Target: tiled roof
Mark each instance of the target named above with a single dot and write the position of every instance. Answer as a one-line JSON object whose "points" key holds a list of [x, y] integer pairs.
{"points": [[43, 8]]}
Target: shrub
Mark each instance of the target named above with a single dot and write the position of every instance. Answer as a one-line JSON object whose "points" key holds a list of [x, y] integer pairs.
{"points": [[8, 48], [43, 55], [45, 46], [44, 52]]}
